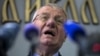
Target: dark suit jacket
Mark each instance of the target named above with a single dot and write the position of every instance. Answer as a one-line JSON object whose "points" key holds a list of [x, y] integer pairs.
{"points": [[30, 54], [59, 54]]}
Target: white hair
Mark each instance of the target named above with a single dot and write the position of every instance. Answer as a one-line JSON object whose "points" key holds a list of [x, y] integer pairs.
{"points": [[35, 14]]}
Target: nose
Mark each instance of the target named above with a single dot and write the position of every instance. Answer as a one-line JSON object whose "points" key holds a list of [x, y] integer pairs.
{"points": [[51, 23]]}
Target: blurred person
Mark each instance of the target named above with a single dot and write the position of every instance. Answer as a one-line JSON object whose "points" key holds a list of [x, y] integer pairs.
{"points": [[49, 19]]}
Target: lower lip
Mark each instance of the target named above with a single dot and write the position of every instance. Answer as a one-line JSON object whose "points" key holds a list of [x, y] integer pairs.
{"points": [[48, 35]]}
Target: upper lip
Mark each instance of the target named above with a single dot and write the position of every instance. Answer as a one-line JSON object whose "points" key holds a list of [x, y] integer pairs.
{"points": [[51, 32]]}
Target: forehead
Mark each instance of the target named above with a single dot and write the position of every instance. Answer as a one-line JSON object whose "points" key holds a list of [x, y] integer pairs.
{"points": [[51, 10]]}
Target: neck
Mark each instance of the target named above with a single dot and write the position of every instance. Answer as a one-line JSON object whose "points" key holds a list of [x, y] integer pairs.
{"points": [[46, 50]]}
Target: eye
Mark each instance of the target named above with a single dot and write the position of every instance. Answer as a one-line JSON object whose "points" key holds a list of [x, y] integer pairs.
{"points": [[59, 20], [44, 17]]}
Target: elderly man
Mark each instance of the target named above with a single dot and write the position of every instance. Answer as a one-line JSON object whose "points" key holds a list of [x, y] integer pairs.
{"points": [[49, 19]]}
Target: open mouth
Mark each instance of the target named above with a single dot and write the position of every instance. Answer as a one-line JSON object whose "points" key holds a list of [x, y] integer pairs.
{"points": [[49, 33]]}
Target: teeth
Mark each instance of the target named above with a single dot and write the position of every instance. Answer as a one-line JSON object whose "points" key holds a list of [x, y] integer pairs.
{"points": [[49, 32]]}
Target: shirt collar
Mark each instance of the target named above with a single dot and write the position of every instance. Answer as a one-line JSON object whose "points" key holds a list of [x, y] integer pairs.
{"points": [[56, 54]]}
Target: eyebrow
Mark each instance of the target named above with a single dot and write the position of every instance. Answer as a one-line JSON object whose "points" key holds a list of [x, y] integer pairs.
{"points": [[45, 13], [58, 16]]}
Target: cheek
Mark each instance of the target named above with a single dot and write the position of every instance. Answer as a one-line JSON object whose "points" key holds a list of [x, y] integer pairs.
{"points": [[61, 34]]}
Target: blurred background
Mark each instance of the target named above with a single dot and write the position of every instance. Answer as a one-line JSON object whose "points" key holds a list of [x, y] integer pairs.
{"points": [[86, 12]]}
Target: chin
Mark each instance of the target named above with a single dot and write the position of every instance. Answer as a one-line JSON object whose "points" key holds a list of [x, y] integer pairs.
{"points": [[47, 43], [50, 43]]}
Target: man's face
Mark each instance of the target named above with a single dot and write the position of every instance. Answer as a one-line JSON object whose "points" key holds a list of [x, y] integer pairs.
{"points": [[50, 23]]}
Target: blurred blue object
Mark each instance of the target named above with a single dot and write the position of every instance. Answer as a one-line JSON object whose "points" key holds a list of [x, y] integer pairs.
{"points": [[30, 31], [12, 28], [8, 33], [73, 29]]}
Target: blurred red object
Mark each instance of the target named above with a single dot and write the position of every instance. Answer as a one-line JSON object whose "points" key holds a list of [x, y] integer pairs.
{"points": [[96, 47]]}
